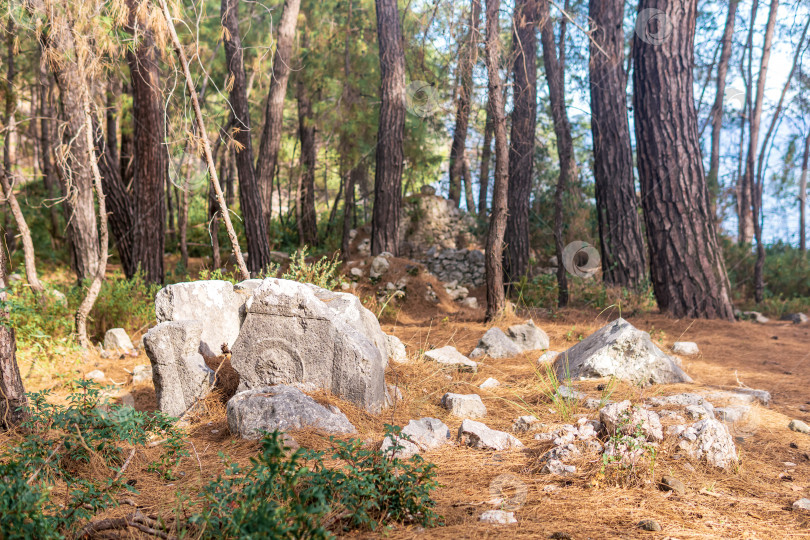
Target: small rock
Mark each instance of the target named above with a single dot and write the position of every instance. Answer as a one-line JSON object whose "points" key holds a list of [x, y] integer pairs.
{"points": [[379, 266], [755, 316], [625, 419], [795, 318], [58, 297], [559, 535], [526, 423], [495, 344], [449, 356], [141, 374], [548, 356], [116, 339], [732, 413], [670, 483], [490, 383], [802, 504], [464, 405], [649, 525], [498, 517], [424, 434], [12, 278], [799, 426], [528, 337], [356, 272], [392, 395], [478, 435], [396, 349], [557, 467], [470, 302], [95, 375], [568, 393], [741, 395], [710, 440], [686, 348], [696, 412]]}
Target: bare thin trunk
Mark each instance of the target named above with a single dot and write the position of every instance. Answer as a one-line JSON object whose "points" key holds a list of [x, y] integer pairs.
{"points": [[486, 157], [266, 162], [45, 149], [496, 300], [745, 219], [12, 393], [803, 195], [209, 158], [307, 133]]}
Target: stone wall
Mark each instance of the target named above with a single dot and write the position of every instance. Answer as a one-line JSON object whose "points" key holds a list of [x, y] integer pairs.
{"points": [[428, 221], [464, 266]]}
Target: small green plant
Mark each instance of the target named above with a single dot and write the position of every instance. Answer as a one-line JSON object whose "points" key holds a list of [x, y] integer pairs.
{"points": [[564, 402], [626, 450], [324, 272], [84, 448], [296, 496]]}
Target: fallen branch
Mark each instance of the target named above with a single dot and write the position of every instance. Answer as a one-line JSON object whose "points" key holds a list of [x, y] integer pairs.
{"points": [[135, 519]]}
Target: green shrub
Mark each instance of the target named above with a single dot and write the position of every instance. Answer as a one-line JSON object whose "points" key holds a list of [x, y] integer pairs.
{"points": [[296, 496], [82, 447], [324, 272]]}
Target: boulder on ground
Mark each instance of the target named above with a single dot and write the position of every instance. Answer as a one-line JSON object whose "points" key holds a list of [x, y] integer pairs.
{"points": [[449, 356], [396, 349], [423, 434], [297, 333], [528, 337], [619, 350], [624, 418], [253, 412], [464, 405], [478, 435], [795, 318], [379, 266], [178, 369], [141, 374], [495, 344], [548, 356], [802, 504], [794, 425], [470, 302], [116, 339], [686, 348], [710, 440], [214, 303]]}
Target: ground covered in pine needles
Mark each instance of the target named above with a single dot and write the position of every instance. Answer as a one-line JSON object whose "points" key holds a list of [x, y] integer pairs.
{"points": [[754, 500]]}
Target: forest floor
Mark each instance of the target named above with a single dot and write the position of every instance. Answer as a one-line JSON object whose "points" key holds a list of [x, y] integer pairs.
{"points": [[754, 500]]}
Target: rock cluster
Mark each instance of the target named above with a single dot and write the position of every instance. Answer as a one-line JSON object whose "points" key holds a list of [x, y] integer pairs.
{"points": [[460, 266], [418, 436], [428, 220]]}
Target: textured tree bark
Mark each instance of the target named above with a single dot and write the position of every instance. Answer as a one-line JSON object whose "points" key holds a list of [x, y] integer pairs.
{"points": [[468, 188], [12, 392], [717, 108], [266, 162], [686, 265], [496, 300], [621, 242], [745, 219], [555, 77], [521, 142], [390, 132], [467, 59], [309, 152], [151, 156], [250, 198], [486, 157], [49, 177], [803, 195]]}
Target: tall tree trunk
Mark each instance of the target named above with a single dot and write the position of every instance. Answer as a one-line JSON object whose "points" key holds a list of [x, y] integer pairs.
{"points": [[468, 188], [686, 265], [348, 145], [521, 143], [309, 152], [555, 77], [486, 157], [49, 177], [266, 162], [803, 195], [12, 393], [250, 198], [151, 156], [390, 133], [206, 144], [621, 242], [745, 219], [127, 152], [496, 300], [717, 109], [753, 146], [467, 59]]}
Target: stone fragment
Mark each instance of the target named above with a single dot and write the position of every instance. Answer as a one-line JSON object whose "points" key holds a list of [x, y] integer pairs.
{"points": [[547, 356], [624, 418], [180, 374], [802, 504], [732, 413], [470, 302], [379, 266], [799, 426], [253, 412], [622, 351], [478, 435], [490, 383], [649, 525], [495, 344], [141, 374], [298, 333], [670, 483], [795, 318], [464, 405], [558, 468], [423, 434], [449, 356], [116, 339], [755, 316], [498, 517], [396, 350], [95, 375], [526, 423], [686, 348], [528, 337], [710, 440]]}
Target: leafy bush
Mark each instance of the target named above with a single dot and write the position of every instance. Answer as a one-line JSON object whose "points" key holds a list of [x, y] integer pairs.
{"points": [[542, 291], [296, 496], [80, 447], [626, 451], [324, 272]]}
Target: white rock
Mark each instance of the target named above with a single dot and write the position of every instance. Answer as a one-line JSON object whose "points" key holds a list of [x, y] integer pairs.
{"points": [[379, 266], [356, 272], [686, 348], [756, 317], [743, 396], [622, 351], [802, 504], [624, 418], [449, 356], [710, 440], [495, 344], [116, 339], [396, 350], [478, 435], [464, 405], [548, 356], [425, 434], [526, 423], [732, 413], [141, 374], [95, 375], [498, 517], [470, 302], [799, 426], [528, 337], [490, 383], [557, 467]]}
